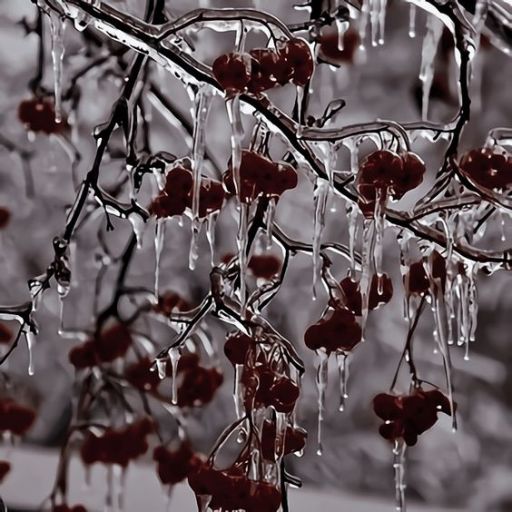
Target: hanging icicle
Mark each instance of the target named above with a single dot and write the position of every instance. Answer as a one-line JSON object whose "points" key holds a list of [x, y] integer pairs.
{"points": [[174, 356], [30, 340], [412, 20], [428, 53], [57, 27], [342, 360], [202, 107], [399, 451], [320, 195], [321, 383], [159, 244]]}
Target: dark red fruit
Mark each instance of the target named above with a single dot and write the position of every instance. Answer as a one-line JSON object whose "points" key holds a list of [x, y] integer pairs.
{"points": [[5, 217], [198, 386], [382, 296], [5, 333], [171, 302], [67, 508], [329, 50], [233, 71], [264, 266], [336, 330], [112, 343], [299, 59], [83, 356], [15, 418], [5, 467], [174, 466], [284, 393], [38, 115], [353, 299], [141, 375], [489, 168], [407, 416], [266, 70], [237, 347], [416, 280]]}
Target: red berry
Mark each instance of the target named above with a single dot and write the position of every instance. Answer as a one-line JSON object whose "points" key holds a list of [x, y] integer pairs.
{"points": [[198, 386], [171, 302], [83, 356], [489, 168], [416, 280], [5, 467], [38, 115], [264, 266], [5, 217], [284, 393], [141, 375], [15, 418], [411, 176], [233, 71], [297, 55], [382, 296], [112, 343], [174, 466], [265, 70], [329, 49], [5, 333], [237, 347]]}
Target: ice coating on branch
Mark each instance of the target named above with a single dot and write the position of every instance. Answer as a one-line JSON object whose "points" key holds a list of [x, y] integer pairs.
{"points": [[270, 219], [366, 267], [352, 215], [321, 383], [159, 244], [399, 450], [202, 107], [57, 27], [320, 195], [211, 223], [428, 53], [138, 225], [341, 358]]}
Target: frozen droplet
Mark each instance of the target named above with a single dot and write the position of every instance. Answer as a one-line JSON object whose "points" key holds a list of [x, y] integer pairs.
{"points": [[300, 113], [321, 383], [238, 391], [161, 365], [211, 223], [270, 218], [352, 215]]}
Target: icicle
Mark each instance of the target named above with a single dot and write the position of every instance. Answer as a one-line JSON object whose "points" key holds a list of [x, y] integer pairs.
{"points": [[341, 27], [36, 289], [374, 20], [211, 223], [161, 365], [202, 107], [280, 435], [379, 232], [382, 20], [300, 113], [428, 53], [203, 502], [363, 23], [352, 215], [57, 26], [174, 356], [138, 224], [321, 383], [159, 244], [238, 392], [233, 109], [242, 249], [367, 254], [271, 214], [320, 201], [399, 469], [30, 339], [341, 358], [412, 20]]}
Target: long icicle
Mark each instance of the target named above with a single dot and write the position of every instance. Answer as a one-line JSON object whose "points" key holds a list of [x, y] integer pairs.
{"points": [[321, 382], [320, 201], [57, 26], [202, 107]]}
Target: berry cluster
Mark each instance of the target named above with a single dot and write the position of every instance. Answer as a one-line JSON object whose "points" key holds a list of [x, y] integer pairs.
{"points": [[407, 416], [231, 490], [38, 115], [489, 168], [260, 176], [174, 466], [176, 196], [262, 68], [380, 293], [14, 417], [141, 375], [337, 330], [117, 446], [198, 384], [386, 174], [106, 347]]}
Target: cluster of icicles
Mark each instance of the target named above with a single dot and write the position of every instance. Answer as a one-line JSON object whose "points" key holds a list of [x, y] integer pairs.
{"points": [[266, 382]]}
